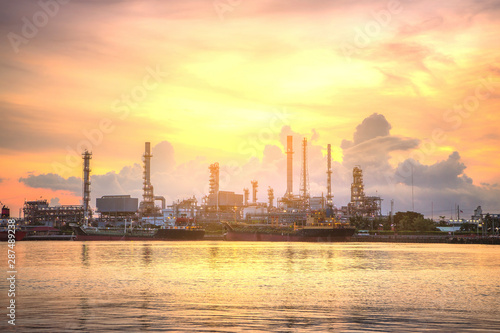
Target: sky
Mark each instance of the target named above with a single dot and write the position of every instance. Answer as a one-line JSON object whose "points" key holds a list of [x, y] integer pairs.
{"points": [[396, 87]]}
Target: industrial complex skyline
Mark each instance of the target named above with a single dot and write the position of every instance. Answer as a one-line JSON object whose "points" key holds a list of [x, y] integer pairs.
{"points": [[383, 82]]}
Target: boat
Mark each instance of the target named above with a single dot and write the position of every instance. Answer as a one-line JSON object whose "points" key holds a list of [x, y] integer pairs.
{"points": [[43, 233], [168, 233], [19, 235], [328, 230]]}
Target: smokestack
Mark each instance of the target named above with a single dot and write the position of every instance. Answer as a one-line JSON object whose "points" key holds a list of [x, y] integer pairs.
{"points": [[86, 185], [289, 165], [147, 164], [304, 174], [329, 177], [214, 183]]}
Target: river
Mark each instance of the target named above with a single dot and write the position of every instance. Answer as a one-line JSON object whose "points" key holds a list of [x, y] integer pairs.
{"points": [[217, 286]]}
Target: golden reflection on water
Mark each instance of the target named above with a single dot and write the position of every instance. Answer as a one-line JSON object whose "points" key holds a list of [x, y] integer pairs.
{"points": [[231, 286]]}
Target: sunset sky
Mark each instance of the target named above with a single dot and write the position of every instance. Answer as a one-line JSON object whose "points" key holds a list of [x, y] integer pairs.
{"points": [[226, 81]]}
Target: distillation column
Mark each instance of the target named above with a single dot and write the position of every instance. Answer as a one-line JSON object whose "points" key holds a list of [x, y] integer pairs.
{"points": [[147, 204], [270, 195], [255, 184], [246, 194], [357, 188], [87, 156]]}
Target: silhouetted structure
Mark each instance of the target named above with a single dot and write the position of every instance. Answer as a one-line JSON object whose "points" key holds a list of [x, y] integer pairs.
{"points": [[362, 205], [87, 213]]}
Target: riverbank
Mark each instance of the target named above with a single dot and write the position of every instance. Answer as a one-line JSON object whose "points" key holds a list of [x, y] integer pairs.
{"points": [[449, 239]]}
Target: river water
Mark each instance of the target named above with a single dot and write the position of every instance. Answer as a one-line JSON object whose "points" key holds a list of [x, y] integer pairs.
{"points": [[216, 286]]}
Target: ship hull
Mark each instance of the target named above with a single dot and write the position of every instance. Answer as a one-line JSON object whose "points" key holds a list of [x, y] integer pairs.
{"points": [[97, 237], [159, 235], [4, 235], [328, 235]]}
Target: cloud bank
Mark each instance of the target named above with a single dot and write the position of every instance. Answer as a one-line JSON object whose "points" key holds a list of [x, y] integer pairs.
{"points": [[442, 184]]}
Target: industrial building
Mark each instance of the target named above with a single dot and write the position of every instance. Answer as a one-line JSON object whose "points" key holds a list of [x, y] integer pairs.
{"points": [[39, 212], [317, 203], [290, 202], [116, 208], [290, 208], [226, 199], [218, 205], [147, 206], [361, 204]]}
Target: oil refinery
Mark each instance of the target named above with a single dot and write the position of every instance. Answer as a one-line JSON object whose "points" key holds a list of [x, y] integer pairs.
{"points": [[218, 205]]}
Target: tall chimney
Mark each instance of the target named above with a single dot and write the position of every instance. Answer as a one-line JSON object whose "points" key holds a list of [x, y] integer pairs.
{"points": [[289, 165], [214, 183], [329, 176], [304, 174], [86, 186]]}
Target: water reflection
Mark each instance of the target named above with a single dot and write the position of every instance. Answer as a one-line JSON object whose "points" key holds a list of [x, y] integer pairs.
{"points": [[87, 312], [289, 254], [85, 255], [213, 254], [145, 316], [226, 286], [146, 254]]}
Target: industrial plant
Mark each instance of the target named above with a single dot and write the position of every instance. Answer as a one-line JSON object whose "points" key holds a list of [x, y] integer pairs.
{"points": [[221, 206], [290, 208], [218, 205]]}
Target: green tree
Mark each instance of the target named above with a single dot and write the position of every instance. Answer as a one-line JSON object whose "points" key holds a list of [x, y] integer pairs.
{"points": [[404, 220], [442, 222], [361, 223], [412, 221], [405, 223], [421, 224]]}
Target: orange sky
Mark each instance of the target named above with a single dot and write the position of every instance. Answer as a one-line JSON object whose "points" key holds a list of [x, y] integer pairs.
{"points": [[219, 83]]}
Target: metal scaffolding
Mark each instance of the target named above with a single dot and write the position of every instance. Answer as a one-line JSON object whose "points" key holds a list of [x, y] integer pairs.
{"points": [[147, 206]]}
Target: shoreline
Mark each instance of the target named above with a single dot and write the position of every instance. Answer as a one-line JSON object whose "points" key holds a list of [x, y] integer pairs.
{"points": [[446, 239]]}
